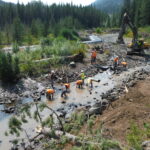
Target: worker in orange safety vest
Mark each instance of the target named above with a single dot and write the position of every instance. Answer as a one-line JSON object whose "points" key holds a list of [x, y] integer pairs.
{"points": [[50, 94], [93, 56], [79, 84]]}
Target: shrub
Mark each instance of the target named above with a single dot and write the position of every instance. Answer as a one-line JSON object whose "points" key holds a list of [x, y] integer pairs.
{"points": [[69, 34], [15, 48], [46, 42], [9, 68], [98, 30]]}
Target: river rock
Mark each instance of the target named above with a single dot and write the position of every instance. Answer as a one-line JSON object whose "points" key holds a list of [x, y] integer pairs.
{"points": [[146, 145], [9, 110], [94, 111], [72, 64], [97, 104]]}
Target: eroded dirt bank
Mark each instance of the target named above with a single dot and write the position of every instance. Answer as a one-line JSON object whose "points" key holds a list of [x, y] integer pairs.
{"points": [[131, 107]]}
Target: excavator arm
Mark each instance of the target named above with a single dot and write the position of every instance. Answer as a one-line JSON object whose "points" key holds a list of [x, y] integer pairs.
{"points": [[126, 21]]}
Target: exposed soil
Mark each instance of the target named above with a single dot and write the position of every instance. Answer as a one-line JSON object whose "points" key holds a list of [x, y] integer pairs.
{"points": [[132, 107]]}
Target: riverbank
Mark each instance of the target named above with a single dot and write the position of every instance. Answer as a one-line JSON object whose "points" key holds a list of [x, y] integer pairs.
{"points": [[111, 87]]}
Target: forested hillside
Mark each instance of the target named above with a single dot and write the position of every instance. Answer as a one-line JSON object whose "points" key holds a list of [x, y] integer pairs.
{"points": [[24, 23], [109, 6], [137, 9]]}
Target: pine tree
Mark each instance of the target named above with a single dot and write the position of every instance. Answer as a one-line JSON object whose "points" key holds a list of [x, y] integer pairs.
{"points": [[145, 12], [17, 30]]}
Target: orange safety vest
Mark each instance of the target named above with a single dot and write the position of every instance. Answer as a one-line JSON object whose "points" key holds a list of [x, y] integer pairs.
{"points": [[94, 54], [116, 59], [124, 63], [50, 91], [79, 82], [67, 85]]}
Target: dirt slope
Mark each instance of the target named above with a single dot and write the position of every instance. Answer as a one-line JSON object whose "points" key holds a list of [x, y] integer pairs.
{"points": [[132, 107]]}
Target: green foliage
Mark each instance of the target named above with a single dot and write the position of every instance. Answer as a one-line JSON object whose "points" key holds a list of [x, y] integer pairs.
{"points": [[68, 127], [52, 55], [98, 30], [15, 126], [17, 30], [15, 48], [90, 124], [46, 42], [76, 148], [23, 118], [79, 118], [69, 34], [137, 135], [26, 24], [48, 122], [107, 144], [25, 110], [9, 68]]}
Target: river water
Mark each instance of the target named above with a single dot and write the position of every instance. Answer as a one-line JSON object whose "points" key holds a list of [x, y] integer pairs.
{"points": [[76, 96]]}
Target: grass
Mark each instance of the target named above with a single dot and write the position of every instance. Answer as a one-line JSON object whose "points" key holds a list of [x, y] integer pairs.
{"points": [[137, 135], [53, 54], [59, 47], [143, 32], [92, 139]]}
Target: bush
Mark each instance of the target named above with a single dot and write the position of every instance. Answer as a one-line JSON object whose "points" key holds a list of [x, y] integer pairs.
{"points": [[15, 48], [9, 68], [69, 34], [98, 30], [46, 42]]}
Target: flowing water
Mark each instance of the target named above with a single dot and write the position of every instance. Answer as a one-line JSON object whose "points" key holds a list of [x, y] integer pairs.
{"points": [[76, 96]]}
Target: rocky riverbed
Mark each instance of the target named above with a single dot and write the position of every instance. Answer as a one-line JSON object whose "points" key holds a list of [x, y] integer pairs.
{"points": [[111, 87]]}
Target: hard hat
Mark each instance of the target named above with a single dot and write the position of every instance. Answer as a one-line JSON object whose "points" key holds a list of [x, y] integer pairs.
{"points": [[82, 70], [52, 71]]}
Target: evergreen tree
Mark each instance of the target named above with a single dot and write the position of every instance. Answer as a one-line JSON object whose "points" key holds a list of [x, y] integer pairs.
{"points": [[17, 30], [145, 12]]}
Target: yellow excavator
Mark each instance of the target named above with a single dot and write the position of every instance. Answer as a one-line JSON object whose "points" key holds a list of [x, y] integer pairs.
{"points": [[138, 45]]}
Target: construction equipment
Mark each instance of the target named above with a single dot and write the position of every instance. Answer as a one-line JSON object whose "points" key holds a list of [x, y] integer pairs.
{"points": [[137, 46]]}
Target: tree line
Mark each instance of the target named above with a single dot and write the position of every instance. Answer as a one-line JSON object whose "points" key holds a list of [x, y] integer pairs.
{"points": [[138, 11], [27, 22]]}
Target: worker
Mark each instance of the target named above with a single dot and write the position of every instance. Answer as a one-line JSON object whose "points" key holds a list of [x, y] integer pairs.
{"points": [[79, 84], [63, 90], [116, 62], [90, 81], [83, 76], [67, 85], [124, 64], [50, 94], [93, 56], [52, 78]]}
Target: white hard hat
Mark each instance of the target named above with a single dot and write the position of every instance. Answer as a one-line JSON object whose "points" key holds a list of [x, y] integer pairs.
{"points": [[52, 71]]}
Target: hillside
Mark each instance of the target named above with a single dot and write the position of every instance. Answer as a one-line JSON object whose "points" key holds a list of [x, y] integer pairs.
{"points": [[108, 6], [2, 2]]}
